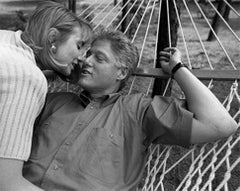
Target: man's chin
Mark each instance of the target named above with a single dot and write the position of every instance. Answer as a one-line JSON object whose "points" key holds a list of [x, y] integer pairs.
{"points": [[85, 84]]}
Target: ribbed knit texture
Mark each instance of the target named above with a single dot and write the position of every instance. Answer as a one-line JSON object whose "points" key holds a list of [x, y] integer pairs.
{"points": [[23, 88]]}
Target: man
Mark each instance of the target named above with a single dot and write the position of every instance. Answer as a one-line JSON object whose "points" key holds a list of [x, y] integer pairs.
{"points": [[99, 140]]}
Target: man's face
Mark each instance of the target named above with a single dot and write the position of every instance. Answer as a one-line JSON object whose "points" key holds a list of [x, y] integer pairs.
{"points": [[99, 72]]}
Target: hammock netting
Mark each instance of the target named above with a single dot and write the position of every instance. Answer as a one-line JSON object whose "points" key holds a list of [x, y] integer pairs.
{"points": [[212, 166]]}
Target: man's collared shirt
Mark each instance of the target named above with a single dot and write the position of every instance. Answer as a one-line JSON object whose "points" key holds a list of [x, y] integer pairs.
{"points": [[84, 144]]}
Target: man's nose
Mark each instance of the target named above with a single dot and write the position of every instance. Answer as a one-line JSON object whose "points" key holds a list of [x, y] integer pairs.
{"points": [[88, 61]]}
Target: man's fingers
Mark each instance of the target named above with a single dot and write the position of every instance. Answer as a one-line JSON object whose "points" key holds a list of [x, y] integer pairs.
{"points": [[162, 58], [171, 50], [164, 54]]}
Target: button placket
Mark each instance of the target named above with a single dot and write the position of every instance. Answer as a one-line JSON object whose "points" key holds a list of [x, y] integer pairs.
{"points": [[93, 105], [45, 125], [55, 167], [67, 143]]}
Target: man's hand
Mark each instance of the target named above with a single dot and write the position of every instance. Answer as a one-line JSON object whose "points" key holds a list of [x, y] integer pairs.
{"points": [[169, 57]]}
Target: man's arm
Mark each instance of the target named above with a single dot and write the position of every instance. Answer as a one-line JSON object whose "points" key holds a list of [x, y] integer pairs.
{"points": [[211, 120], [11, 178]]}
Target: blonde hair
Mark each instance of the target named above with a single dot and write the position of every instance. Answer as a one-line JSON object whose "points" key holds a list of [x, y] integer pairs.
{"points": [[49, 14]]}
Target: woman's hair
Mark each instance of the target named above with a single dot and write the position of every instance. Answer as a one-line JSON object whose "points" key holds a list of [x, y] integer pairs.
{"points": [[47, 15], [126, 53]]}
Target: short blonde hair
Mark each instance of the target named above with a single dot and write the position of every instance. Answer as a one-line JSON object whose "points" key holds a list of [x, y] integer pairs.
{"points": [[49, 14]]}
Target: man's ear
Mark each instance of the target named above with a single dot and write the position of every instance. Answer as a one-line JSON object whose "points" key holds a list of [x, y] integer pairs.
{"points": [[122, 73], [53, 35]]}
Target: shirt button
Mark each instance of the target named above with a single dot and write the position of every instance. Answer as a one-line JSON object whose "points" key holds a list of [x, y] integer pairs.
{"points": [[45, 125], [91, 107], [111, 136], [67, 143], [55, 167]]}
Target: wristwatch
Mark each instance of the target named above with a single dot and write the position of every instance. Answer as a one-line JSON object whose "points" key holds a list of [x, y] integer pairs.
{"points": [[176, 67]]}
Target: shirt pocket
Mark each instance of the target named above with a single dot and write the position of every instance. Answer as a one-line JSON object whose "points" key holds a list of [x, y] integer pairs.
{"points": [[102, 155]]}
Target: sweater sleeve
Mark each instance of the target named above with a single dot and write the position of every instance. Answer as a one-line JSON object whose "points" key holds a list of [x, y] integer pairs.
{"points": [[22, 94]]}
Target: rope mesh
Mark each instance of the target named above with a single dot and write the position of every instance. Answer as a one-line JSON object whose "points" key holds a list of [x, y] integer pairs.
{"points": [[212, 166]]}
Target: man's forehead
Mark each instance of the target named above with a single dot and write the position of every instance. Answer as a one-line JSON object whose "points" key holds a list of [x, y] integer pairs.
{"points": [[101, 41], [102, 45]]}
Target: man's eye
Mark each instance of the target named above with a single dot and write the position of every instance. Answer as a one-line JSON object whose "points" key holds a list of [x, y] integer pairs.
{"points": [[99, 58]]}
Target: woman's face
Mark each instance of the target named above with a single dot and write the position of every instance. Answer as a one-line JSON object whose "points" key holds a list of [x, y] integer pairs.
{"points": [[68, 52]]}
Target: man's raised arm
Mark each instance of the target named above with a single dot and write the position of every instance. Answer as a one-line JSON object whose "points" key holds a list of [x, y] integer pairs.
{"points": [[211, 120]]}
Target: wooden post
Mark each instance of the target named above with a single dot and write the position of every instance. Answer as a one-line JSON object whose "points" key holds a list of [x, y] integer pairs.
{"points": [[126, 20], [72, 5], [163, 41], [217, 20], [227, 11], [115, 2]]}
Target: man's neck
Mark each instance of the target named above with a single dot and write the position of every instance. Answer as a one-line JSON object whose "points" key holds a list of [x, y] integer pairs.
{"points": [[99, 94]]}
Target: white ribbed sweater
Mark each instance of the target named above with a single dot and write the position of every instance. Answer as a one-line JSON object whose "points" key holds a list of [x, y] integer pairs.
{"points": [[23, 89]]}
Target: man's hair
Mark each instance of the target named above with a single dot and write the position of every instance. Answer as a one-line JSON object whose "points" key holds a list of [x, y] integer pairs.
{"points": [[49, 14], [126, 53]]}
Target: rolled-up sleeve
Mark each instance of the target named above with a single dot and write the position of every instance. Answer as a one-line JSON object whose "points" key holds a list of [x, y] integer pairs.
{"points": [[167, 121]]}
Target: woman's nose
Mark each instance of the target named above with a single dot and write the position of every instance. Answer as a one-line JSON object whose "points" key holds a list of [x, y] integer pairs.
{"points": [[82, 56]]}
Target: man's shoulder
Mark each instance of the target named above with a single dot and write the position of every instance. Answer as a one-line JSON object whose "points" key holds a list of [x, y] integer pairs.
{"points": [[135, 99]]}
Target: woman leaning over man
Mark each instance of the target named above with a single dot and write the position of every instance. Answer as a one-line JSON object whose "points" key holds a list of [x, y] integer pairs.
{"points": [[54, 39]]}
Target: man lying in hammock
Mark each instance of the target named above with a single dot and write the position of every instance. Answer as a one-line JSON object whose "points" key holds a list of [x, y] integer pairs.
{"points": [[99, 140]]}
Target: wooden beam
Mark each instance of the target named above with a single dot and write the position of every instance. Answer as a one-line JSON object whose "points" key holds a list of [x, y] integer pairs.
{"points": [[224, 75]]}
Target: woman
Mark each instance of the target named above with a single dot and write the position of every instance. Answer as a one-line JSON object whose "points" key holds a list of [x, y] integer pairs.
{"points": [[54, 39]]}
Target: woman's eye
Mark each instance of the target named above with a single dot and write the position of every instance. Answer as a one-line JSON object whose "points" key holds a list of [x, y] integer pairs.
{"points": [[88, 53], [79, 46]]}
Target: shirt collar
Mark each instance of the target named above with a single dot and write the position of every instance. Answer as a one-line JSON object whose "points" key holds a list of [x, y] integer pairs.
{"points": [[104, 100]]}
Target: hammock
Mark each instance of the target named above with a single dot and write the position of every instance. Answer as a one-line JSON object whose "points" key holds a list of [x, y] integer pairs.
{"points": [[212, 166]]}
